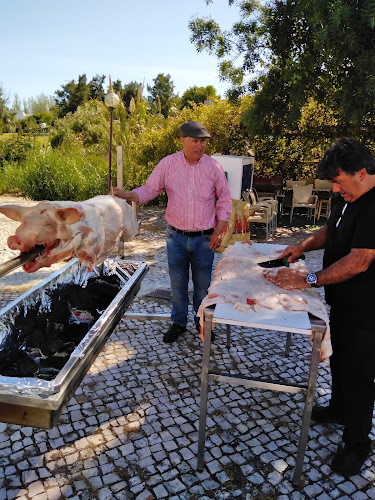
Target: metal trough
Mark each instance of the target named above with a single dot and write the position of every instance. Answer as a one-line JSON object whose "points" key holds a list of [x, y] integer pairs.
{"points": [[39, 403]]}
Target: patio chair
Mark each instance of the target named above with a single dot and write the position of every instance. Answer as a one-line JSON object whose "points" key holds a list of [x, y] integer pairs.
{"points": [[322, 185], [274, 205], [289, 183], [303, 198], [251, 197], [261, 213]]}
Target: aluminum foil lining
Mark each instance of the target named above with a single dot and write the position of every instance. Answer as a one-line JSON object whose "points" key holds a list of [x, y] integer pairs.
{"points": [[127, 271]]}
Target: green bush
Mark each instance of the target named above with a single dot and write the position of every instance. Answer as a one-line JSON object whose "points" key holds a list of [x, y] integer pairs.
{"points": [[53, 175], [15, 148], [76, 165], [88, 126]]}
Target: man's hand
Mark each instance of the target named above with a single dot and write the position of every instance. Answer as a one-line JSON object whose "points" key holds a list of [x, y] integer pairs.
{"points": [[289, 279], [293, 253], [216, 239], [118, 192], [125, 195], [217, 235]]}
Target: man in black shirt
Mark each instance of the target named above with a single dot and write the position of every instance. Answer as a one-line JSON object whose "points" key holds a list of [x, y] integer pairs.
{"points": [[348, 276]]}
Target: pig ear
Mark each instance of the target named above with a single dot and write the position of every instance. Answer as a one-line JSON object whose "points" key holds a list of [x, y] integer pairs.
{"points": [[68, 215], [14, 212]]}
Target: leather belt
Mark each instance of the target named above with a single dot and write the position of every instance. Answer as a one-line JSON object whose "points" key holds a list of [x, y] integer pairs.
{"points": [[191, 234]]}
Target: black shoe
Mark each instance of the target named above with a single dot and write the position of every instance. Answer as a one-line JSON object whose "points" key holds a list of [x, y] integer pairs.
{"points": [[173, 333], [325, 415], [348, 461]]}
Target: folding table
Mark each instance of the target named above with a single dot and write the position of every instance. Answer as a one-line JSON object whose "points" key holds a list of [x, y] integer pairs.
{"points": [[292, 322]]}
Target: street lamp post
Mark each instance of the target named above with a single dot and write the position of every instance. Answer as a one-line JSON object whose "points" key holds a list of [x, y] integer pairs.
{"points": [[111, 100], [43, 126]]}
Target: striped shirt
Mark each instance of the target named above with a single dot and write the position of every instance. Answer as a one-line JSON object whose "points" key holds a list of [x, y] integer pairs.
{"points": [[198, 194]]}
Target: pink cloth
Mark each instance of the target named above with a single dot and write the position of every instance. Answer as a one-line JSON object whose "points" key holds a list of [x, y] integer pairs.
{"points": [[198, 194]]}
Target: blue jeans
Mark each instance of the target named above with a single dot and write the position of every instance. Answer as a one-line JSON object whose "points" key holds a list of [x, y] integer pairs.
{"points": [[183, 252]]}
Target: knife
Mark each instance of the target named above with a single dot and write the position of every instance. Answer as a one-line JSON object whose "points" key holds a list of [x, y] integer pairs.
{"points": [[278, 262]]}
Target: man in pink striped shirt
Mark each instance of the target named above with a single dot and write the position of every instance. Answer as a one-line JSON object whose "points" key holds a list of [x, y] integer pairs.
{"points": [[199, 205]]}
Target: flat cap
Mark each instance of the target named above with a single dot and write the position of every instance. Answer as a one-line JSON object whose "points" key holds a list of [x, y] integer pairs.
{"points": [[194, 129]]}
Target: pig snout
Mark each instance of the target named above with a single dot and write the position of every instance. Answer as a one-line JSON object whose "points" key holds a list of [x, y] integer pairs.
{"points": [[17, 243]]}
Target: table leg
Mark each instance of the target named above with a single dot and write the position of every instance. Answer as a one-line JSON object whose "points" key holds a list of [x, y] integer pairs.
{"points": [[204, 388], [288, 343], [228, 336], [315, 356]]}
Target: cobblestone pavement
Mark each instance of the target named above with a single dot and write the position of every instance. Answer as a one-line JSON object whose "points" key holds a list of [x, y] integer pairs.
{"points": [[130, 431]]}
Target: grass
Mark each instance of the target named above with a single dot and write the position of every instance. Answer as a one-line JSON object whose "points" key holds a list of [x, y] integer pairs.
{"points": [[47, 174], [10, 135]]}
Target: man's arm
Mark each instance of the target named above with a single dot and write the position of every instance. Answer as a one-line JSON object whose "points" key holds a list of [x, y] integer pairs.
{"points": [[356, 262], [126, 195], [223, 206], [152, 188]]}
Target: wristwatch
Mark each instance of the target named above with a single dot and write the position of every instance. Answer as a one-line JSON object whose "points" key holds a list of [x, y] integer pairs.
{"points": [[312, 280]]}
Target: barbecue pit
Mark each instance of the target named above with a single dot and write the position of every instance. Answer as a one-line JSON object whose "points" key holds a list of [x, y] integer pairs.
{"points": [[38, 400]]}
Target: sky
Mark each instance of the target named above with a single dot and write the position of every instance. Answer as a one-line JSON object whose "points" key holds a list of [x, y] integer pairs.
{"points": [[47, 43]]}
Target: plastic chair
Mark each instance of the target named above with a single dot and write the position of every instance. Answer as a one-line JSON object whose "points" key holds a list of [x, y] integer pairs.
{"points": [[322, 184], [274, 205], [302, 198], [289, 183], [251, 197], [261, 213]]}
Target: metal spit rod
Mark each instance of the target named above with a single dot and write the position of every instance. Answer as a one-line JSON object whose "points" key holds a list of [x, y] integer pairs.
{"points": [[20, 260]]}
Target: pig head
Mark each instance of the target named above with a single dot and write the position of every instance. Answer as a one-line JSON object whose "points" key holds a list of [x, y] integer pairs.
{"points": [[88, 230]]}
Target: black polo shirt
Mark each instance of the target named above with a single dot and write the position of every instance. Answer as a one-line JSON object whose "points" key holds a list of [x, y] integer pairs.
{"points": [[356, 229]]}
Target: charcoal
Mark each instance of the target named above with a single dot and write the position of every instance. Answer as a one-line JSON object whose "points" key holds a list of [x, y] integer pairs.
{"points": [[50, 345], [26, 365], [47, 373], [56, 361], [42, 340], [61, 310], [35, 338], [74, 332], [78, 297], [103, 292], [67, 348], [17, 364]]}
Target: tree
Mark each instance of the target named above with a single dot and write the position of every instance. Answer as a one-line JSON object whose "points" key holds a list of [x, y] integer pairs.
{"points": [[74, 94], [96, 89], [127, 92], [4, 112], [16, 106], [197, 95], [3, 99], [289, 53], [40, 104], [161, 94]]}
